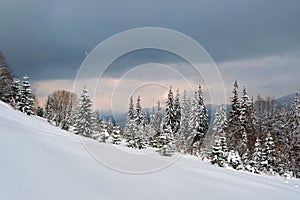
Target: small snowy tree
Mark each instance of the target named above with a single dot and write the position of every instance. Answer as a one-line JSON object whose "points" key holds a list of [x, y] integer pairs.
{"points": [[84, 119], [116, 135], [268, 154], [26, 102], [16, 87], [257, 157], [234, 160], [220, 150]]}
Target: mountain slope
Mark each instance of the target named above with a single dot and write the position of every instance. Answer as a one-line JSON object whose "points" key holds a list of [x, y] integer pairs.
{"points": [[40, 161]]}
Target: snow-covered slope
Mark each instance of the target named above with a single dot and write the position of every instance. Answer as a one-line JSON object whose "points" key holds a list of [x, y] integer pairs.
{"points": [[39, 161]]}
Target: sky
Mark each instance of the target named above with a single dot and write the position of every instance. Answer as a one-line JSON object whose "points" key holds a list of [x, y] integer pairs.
{"points": [[255, 42]]}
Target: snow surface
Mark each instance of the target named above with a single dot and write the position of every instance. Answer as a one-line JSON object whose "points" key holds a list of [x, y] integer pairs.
{"points": [[40, 161]]}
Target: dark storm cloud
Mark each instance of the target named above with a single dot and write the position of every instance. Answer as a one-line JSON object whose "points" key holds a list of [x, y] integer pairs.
{"points": [[48, 39]]}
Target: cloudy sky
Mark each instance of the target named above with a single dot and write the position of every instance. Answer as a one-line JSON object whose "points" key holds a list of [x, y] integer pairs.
{"points": [[256, 42]]}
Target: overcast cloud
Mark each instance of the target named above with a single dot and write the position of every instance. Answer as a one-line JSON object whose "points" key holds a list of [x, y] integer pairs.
{"points": [[256, 42]]}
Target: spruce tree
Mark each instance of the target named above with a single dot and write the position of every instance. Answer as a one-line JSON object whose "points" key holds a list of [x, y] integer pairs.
{"points": [[198, 122], [16, 94], [268, 154], [220, 149], [26, 102], [257, 157], [130, 125], [184, 130], [116, 135], [84, 119], [177, 112]]}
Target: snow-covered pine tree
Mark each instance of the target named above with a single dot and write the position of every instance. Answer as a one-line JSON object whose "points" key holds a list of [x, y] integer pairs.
{"points": [[169, 120], [102, 134], [116, 135], [166, 136], [6, 80], [138, 114], [177, 113], [49, 109], [219, 154], [268, 154], [84, 119], [257, 157], [198, 122], [164, 142], [150, 129], [16, 87], [26, 102], [184, 130], [234, 125], [130, 126], [234, 160], [158, 118]]}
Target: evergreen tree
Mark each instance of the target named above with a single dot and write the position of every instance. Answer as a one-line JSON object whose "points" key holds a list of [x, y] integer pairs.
{"points": [[158, 118], [16, 93], [103, 131], [220, 150], [169, 121], [198, 122], [177, 112], [268, 154], [85, 119], [257, 157], [116, 135], [49, 109], [6, 80], [130, 125], [26, 102], [184, 130], [234, 136]]}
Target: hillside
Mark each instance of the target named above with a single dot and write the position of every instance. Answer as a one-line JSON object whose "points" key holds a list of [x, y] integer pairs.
{"points": [[40, 161]]}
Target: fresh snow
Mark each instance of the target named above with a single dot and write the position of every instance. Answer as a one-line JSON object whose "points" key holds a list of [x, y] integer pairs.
{"points": [[40, 161]]}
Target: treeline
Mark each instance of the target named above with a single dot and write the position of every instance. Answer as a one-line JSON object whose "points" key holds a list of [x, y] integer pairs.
{"points": [[256, 136]]}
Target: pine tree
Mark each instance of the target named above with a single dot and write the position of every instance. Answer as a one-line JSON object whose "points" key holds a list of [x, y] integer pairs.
{"points": [[169, 121], [158, 118], [198, 122], [234, 120], [234, 160], [220, 149], [257, 157], [6, 80], [26, 102], [85, 119], [184, 130], [103, 131], [130, 125], [116, 135], [177, 112], [16, 87], [268, 154], [138, 114], [49, 109]]}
